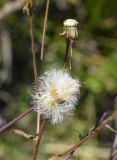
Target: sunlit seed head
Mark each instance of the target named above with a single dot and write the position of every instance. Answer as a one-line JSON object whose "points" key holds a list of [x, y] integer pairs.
{"points": [[70, 23], [57, 96]]}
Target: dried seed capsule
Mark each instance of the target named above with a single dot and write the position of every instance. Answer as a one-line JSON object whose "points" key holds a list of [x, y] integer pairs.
{"points": [[70, 29]]}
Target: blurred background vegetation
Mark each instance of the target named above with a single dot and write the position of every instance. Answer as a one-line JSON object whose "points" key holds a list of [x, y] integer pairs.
{"points": [[94, 61]]}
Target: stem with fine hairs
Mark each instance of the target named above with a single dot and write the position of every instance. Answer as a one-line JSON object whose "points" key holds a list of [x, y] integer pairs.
{"points": [[8, 125], [40, 125]]}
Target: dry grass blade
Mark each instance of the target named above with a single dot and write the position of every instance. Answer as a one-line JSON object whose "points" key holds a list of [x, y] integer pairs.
{"points": [[22, 133]]}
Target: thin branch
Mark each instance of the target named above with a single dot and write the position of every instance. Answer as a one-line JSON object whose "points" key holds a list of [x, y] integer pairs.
{"points": [[87, 136], [40, 129], [33, 51], [8, 125], [67, 51], [110, 128], [42, 53], [109, 108], [33, 48], [34, 61], [43, 34], [34, 156], [114, 146], [10, 7], [94, 131]]}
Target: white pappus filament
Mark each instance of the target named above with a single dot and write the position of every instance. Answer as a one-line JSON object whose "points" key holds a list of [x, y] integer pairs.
{"points": [[57, 95]]}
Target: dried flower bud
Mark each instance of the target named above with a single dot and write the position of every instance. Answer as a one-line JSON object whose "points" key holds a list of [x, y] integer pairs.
{"points": [[70, 29], [29, 6], [57, 95]]}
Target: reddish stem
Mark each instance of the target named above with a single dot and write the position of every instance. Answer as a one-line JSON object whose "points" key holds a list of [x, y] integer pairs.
{"points": [[8, 125]]}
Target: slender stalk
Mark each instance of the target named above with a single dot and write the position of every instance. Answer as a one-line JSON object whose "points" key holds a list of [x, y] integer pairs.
{"points": [[34, 155], [112, 154], [40, 129], [33, 48], [67, 51], [43, 35], [8, 125], [42, 52], [34, 63]]}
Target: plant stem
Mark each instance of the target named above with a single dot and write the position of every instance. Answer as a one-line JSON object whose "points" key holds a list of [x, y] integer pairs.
{"points": [[34, 156], [40, 129], [87, 136], [43, 35], [34, 63], [42, 54], [8, 125], [67, 51], [33, 48]]}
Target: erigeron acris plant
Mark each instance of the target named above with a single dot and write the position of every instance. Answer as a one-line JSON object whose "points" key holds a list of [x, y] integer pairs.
{"points": [[55, 94]]}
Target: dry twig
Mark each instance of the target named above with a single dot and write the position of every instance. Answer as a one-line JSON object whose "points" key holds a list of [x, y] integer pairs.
{"points": [[8, 125], [102, 122]]}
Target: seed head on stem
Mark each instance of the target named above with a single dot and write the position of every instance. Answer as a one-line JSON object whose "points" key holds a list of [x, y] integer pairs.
{"points": [[57, 95]]}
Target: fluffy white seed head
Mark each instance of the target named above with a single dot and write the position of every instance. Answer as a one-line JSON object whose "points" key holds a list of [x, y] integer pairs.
{"points": [[70, 23], [57, 96]]}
